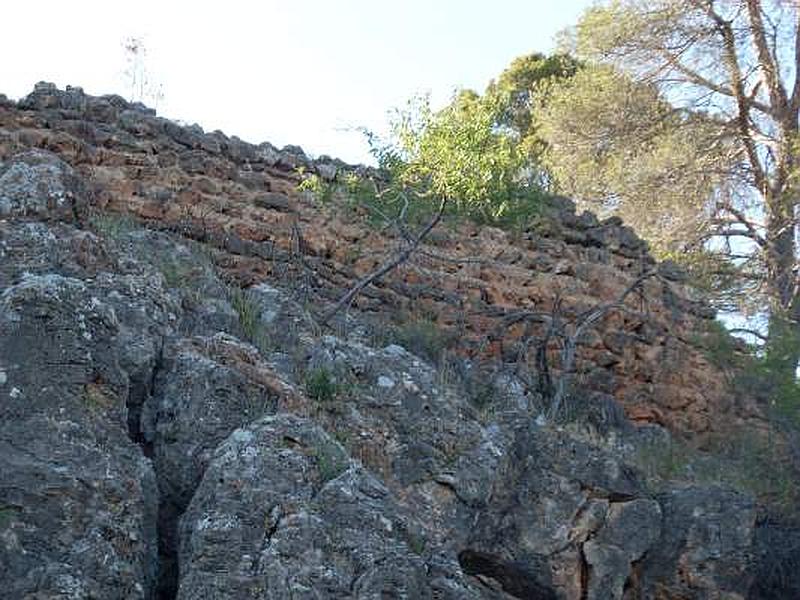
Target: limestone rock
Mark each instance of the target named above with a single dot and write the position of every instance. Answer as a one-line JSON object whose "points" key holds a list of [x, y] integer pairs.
{"points": [[38, 183]]}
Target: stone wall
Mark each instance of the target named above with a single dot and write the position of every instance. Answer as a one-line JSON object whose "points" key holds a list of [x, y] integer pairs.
{"points": [[243, 198]]}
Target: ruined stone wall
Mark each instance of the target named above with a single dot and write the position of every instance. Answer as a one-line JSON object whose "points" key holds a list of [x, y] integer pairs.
{"points": [[243, 199]]}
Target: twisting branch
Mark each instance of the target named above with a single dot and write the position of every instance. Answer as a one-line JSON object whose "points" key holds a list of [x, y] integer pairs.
{"points": [[395, 261], [567, 334], [747, 331], [582, 324], [767, 61]]}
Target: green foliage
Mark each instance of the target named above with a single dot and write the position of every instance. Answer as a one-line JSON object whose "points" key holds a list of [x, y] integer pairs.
{"points": [[721, 348], [113, 225], [482, 394], [615, 142], [321, 385], [667, 127], [757, 372], [481, 152], [424, 338], [752, 462], [458, 154], [527, 78], [248, 310], [663, 461], [331, 462], [781, 385], [98, 399], [415, 542], [321, 190], [721, 281], [7, 515], [755, 462], [178, 272]]}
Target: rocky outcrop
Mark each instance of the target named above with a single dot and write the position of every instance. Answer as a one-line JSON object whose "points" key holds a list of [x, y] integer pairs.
{"points": [[167, 434], [243, 199]]}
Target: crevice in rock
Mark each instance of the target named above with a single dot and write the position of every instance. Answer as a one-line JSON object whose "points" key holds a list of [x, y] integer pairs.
{"points": [[585, 571], [169, 514], [515, 579], [273, 523], [633, 585], [142, 384], [594, 493], [140, 389]]}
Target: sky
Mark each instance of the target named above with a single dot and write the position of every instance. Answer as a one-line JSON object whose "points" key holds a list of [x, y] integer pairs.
{"points": [[303, 72]]}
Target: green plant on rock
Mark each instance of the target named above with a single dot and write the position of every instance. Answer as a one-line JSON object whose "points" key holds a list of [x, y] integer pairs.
{"points": [[330, 462], [248, 310], [721, 348], [321, 385], [751, 462], [177, 273], [7, 515], [424, 338], [663, 460], [416, 543], [113, 225], [321, 190]]}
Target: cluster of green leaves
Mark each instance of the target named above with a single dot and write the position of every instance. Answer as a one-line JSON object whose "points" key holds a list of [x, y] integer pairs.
{"points": [[423, 337], [248, 310], [480, 152], [456, 153], [751, 462], [113, 225], [758, 371], [781, 389], [331, 462], [321, 385]]}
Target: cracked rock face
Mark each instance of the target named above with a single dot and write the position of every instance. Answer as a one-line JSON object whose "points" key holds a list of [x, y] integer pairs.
{"points": [[38, 183], [161, 437], [306, 522], [78, 499]]}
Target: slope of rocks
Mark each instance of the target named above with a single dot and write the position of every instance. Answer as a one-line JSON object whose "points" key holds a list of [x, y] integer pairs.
{"points": [[243, 199], [165, 434]]}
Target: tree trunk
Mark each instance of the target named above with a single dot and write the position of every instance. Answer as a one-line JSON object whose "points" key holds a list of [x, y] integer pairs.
{"points": [[783, 346]]}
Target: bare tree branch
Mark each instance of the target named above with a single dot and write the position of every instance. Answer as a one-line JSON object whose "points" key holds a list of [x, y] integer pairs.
{"points": [[391, 264], [725, 31], [769, 70]]}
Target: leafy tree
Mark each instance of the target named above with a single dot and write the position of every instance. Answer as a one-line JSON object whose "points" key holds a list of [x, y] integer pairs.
{"points": [[526, 78], [688, 124], [483, 151], [618, 143], [457, 153], [466, 157]]}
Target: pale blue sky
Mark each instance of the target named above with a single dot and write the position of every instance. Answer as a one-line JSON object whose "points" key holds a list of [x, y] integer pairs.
{"points": [[288, 72]]}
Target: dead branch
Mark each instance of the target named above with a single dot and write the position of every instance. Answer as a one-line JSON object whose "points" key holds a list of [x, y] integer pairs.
{"points": [[582, 324], [395, 261]]}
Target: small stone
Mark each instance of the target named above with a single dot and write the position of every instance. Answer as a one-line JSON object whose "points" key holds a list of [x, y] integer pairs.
{"points": [[273, 201], [385, 382], [394, 350], [242, 436]]}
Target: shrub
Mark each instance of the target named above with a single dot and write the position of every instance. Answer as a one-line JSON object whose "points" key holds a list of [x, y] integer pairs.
{"points": [[248, 310], [330, 462], [321, 385], [113, 225], [424, 338]]}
